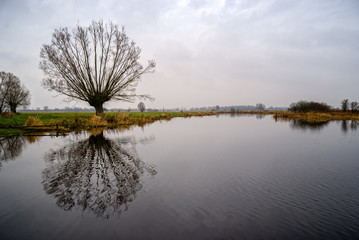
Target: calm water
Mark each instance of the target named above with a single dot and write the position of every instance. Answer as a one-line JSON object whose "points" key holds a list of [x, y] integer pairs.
{"points": [[218, 177]]}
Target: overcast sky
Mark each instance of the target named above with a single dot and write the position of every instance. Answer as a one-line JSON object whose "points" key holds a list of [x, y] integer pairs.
{"points": [[215, 52]]}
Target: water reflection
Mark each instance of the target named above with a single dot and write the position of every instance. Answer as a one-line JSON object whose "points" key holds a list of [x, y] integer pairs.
{"points": [[354, 125], [312, 126], [98, 174], [11, 147], [237, 115], [260, 116], [345, 125]]}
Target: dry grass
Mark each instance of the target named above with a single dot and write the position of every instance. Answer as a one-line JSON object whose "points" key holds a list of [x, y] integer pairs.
{"points": [[97, 121], [66, 122], [316, 116], [33, 121]]}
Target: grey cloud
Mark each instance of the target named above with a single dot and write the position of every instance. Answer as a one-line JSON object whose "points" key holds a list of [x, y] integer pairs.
{"points": [[209, 53]]}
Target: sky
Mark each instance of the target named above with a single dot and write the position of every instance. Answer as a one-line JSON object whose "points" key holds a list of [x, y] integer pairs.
{"points": [[218, 52]]}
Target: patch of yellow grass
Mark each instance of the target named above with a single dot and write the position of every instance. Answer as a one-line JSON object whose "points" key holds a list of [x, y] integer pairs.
{"points": [[122, 118], [33, 121], [316, 116], [97, 121]]}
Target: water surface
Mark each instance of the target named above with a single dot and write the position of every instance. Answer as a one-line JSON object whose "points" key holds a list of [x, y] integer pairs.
{"points": [[217, 177]]}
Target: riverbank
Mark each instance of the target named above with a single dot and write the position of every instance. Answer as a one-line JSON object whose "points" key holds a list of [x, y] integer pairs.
{"points": [[22, 123], [310, 117], [316, 117]]}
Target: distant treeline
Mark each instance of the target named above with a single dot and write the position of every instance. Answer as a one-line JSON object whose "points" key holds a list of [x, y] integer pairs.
{"points": [[310, 106], [236, 108], [304, 106], [193, 109]]}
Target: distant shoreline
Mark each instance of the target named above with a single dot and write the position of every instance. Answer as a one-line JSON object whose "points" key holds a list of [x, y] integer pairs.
{"points": [[64, 122]]}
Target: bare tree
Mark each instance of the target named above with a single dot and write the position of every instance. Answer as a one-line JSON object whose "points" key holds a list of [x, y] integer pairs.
{"points": [[260, 106], [141, 106], [354, 106], [18, 96], [12, 93], [345, 105], [95, 64], [5, 84]]}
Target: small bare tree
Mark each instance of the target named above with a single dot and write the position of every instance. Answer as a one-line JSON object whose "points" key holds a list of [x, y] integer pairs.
{"points": [[95, 64], [354, 106], [5, 85], [12, 93], [141, 106], [19, 96], [345, 105], [260, 106]]}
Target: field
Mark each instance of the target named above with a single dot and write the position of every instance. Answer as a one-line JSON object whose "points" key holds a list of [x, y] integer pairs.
{"points": [[11, 124], [64, 122]]}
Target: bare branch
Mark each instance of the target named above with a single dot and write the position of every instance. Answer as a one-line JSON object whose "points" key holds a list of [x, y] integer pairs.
{"points": [[95, 64]]}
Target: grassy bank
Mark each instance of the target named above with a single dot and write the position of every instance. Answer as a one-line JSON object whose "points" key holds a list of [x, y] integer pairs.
{"points": [[310, 117], [313, 117], [64, 122]]}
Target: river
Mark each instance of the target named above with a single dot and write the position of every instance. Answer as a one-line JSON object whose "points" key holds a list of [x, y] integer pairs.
{"points": [[214, 177]]}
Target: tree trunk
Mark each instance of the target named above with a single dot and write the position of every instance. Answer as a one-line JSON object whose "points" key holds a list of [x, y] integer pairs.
{"points": [[13, 108], [99, 109]]}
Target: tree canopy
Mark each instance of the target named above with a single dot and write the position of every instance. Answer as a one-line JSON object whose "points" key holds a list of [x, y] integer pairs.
{"points": [[95, 64]]}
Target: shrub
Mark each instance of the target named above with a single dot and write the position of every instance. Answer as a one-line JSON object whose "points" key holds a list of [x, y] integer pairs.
{"points": [[77, 123], [64, 122], [97, 121], [122, 117], [304, 106], [33, 121]]}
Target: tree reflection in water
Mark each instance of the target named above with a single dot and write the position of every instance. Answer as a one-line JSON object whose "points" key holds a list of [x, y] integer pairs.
{"points": [[11, 147], [317, 126], [98, 174], [354, 125], [312, 126]]}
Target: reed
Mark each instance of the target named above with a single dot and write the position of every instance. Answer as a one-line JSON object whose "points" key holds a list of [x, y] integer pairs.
{"points": [[316, 116]]}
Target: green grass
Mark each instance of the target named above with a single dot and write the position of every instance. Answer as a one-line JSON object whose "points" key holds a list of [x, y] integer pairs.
{"points": [[21, 118], [65, 122], [15, 124], [10, 131]]}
